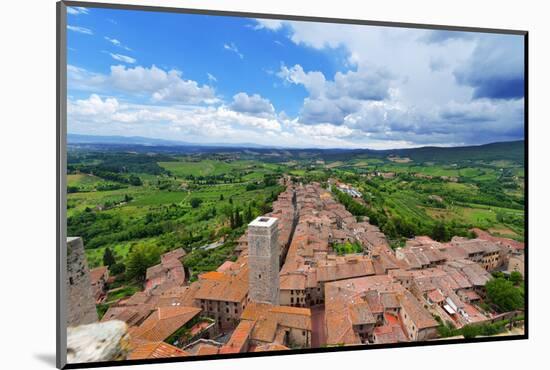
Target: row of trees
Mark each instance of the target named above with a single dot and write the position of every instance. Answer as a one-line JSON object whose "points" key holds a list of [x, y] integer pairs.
{"points": [[139, 259]]}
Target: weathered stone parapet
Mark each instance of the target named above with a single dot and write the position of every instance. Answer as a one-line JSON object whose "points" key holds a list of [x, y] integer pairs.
{"points": [[80, 299], [107, 341]]}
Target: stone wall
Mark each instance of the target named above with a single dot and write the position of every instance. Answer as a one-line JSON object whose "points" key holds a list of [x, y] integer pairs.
{"points": [[80, 300]]}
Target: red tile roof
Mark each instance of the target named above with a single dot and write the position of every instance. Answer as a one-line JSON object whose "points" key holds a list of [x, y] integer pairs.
{"points": [[164, 322], [240, 337], [156, 350], [98, 273]]}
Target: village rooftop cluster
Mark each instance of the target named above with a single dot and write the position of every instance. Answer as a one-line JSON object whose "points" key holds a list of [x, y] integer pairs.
{"points": [[290, 288]]}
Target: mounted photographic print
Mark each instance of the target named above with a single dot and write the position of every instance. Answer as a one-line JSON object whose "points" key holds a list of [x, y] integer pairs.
{"points": [[235, 184]]}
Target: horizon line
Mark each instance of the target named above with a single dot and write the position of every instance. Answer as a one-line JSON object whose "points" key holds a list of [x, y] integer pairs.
{"points": [[262, 146]]}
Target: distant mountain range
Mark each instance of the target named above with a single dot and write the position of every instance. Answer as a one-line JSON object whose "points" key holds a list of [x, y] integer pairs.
{"points": [[511, 150], [146, 141]]}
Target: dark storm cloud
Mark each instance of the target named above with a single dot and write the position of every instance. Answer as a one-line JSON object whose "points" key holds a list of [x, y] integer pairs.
{"points": [[495, 69]]}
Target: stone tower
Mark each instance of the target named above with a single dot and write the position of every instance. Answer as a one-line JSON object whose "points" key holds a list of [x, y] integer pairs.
{"points": [[80, 300], [263, 260]]}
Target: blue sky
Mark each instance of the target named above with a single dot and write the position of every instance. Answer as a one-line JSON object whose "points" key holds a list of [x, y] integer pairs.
{"points": [[211, 79]]}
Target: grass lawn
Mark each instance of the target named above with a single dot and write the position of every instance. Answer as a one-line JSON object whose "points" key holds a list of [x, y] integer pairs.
{"points": [[127, 291]]}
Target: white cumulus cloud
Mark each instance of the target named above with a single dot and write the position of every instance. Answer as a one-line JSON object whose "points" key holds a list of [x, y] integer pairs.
{"points": [[253, 104]]}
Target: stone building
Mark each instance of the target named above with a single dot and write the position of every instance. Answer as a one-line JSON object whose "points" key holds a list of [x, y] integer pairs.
{"points": [[264, 324], [263, 260], [223, 296], [99, 277], [517, 263], [80, 298]]}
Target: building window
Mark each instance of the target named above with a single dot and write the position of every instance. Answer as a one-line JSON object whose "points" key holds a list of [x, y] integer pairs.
{"points": [[304, 333], [259, 276]]}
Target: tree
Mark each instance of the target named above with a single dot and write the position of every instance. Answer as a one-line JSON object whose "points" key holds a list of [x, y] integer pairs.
{"points": [[140, 258], [117, 268], [195, 202], [248, 216], [108, 257], [232, 220], [439, 232], [515, 277], [135, 180], [504, 294], [238, 219], [470, 331]]}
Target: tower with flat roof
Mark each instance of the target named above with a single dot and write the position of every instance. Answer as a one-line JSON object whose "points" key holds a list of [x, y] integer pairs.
{"points": [[263, 260]]}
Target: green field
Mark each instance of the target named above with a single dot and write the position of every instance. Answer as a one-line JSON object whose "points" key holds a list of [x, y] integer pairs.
{"points": [[419, 198], [139, 205]]}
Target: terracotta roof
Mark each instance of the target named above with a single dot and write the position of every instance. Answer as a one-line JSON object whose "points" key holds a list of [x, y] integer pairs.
{"points": [[473, 314], [270, 347], [168, 273], [292, 281], [390, 332], [97, 273], [220, 287], [214, 275], [417, 313], [345, 269], [341, 298], [227, 265], [268, 318], [372, 297], [154, 271], [472, 271], [240, 337], [505, 241], [139, 298], [471, 295], [435, 296], [176, 254], [207, 349], [389, 300], [131, 315], [156, 350], [164, 322], [360, 314], [178, 296]]}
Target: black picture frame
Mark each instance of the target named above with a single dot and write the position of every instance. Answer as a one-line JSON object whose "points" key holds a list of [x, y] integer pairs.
{"points": [[61, 120]]}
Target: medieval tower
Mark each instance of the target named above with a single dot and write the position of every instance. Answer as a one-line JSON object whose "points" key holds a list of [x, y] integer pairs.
{"points": [[263, 260], [80, 300]]}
